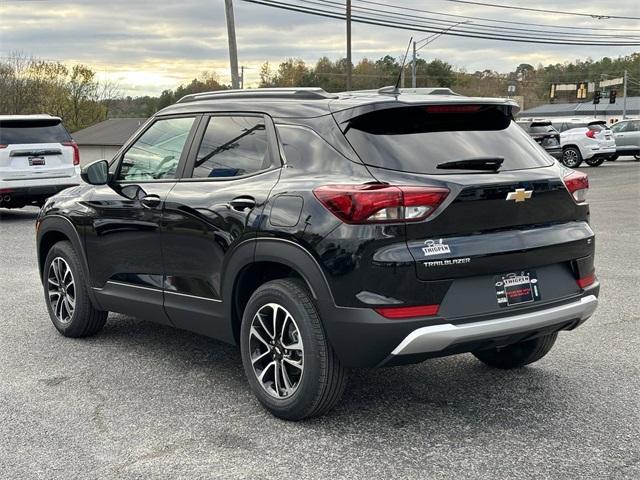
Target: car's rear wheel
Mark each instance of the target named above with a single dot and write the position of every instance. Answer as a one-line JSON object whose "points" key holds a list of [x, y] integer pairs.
{"points": [[289, 363], [637, 157], [518, 354], [571, 157], [595, 162], [65, 289]]}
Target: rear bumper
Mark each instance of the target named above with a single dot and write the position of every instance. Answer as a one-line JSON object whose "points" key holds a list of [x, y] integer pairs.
{"points": [[11, 195], [362, 338], [555, 152], [437, 338], [599, 152]]}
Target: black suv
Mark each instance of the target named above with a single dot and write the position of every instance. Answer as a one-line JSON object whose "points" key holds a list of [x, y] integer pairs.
{"points": [[322, 231], [543, 132]]}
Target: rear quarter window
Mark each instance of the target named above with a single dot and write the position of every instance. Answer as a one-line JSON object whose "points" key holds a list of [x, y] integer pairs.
{"points": [[14, 132], [417, 139]]}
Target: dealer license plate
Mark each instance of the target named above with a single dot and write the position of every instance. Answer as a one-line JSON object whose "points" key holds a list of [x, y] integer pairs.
{"points": [[517, 288]]}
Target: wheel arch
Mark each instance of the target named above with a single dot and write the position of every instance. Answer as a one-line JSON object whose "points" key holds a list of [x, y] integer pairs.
{"points": [[53, 229], [262, 260]]}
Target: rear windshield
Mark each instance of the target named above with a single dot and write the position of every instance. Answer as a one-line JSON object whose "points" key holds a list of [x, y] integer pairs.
{"points": [[417, 139], [32, 131], [541, 128]]}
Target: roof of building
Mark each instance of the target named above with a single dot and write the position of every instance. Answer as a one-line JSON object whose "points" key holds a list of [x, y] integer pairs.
{"points": [[585, 108], [112, 132], [314, 102]]}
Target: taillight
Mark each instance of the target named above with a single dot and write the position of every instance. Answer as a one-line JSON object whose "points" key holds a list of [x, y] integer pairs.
{"points": [[380, 203], [76, 151], [3, 146], [591, 133], [408, 312], [577, 183], [584, 282]]}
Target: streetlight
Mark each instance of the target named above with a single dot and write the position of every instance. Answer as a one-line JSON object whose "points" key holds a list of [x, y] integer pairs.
{"points": [[427, 41]]}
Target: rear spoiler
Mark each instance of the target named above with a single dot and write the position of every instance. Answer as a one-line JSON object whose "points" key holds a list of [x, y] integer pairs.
{"points": [[509, 107]]}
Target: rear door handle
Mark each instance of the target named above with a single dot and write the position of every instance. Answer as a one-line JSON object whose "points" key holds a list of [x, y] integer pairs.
{"points": [[150, 201], [242, 203]]}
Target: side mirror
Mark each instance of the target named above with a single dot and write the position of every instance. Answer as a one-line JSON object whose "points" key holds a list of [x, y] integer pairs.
{"points": [[96, 173]]}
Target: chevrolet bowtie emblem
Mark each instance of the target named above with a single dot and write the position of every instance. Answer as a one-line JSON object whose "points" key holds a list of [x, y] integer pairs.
{"points": [[520, 195]]}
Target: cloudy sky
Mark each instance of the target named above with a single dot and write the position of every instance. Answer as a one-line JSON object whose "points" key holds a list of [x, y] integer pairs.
{"points": [[150, 45]]}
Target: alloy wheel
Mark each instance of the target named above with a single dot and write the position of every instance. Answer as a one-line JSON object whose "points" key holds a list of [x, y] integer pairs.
{"points": [[276, 350], [61, 290], [570, 158]]}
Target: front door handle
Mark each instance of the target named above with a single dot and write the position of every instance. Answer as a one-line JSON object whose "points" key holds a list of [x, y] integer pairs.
{"points": [[150, 201], [242, 203]]}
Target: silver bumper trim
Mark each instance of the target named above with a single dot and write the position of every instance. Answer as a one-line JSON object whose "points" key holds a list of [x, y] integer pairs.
{"points": [[438, 337]]}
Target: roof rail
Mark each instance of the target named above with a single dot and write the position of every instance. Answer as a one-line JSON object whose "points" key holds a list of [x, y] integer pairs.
{"points": [[306, 93], [393, 90]]}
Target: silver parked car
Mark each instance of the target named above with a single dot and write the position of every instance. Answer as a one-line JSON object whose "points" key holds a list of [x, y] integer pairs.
{"points": [[627, 135]]}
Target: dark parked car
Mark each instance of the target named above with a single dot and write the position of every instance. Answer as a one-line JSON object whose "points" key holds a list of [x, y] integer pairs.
{"points": [[322, 231], [547, 137]]}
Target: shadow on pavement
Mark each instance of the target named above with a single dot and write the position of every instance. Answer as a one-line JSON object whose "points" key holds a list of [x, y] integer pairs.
{"points": [[455, 389]]}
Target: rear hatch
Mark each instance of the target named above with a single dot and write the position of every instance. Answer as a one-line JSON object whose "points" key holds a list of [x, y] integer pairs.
{"points": [[602, 133], [36, 149], [544, 134], [519, 217]]}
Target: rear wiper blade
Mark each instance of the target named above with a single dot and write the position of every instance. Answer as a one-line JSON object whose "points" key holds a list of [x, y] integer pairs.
{"points": [[478, 163]]}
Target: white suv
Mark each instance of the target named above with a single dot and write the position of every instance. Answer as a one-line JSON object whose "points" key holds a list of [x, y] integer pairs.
{"points": [[38, 159], [593, 143]]}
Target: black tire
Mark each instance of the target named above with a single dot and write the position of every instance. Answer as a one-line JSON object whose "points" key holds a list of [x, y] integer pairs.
{"points": [[613, 158], [637, 157], [85, 320], [595, 162], [323, 378], [571, 157], [519, 354]]}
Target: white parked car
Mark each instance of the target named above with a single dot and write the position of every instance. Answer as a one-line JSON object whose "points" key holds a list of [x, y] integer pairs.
{"points": [[593, 143], [38, 159]]}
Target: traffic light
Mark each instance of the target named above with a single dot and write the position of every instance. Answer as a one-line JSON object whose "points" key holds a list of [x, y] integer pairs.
{"points": [[596, 97], [612, 96]]}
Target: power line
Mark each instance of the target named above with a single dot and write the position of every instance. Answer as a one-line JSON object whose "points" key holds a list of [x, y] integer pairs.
{"points": [[423, 28], [431, 12], [540, 10], [475, 26]]}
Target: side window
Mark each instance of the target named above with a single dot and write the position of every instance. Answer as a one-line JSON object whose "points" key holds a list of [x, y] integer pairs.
{"points": [[635, 127], [232, 146], [157, 152]]}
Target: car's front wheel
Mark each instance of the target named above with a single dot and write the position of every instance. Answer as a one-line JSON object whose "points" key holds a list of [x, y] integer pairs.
{"points": [[65, 290], [518, 354], [288, 361], [613, 158], [571, 157]]}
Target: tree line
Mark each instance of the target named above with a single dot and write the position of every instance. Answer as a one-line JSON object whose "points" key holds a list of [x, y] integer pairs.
{"points": [[29, 85]]}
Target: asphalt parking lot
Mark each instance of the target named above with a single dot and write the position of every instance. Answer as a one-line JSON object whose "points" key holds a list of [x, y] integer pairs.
{"points": [[141, 400]]}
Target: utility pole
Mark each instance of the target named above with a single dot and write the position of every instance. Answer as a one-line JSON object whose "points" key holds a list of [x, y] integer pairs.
{"points": [[624, 99], [413, 67], [233, 47], [242, 77], [348, 45]]}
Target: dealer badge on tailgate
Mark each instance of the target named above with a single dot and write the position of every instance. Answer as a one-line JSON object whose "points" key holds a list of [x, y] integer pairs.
{"points": [[517, 288]]}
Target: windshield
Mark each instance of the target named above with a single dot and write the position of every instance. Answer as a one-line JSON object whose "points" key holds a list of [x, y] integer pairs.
{"points": [[417, 139]]}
